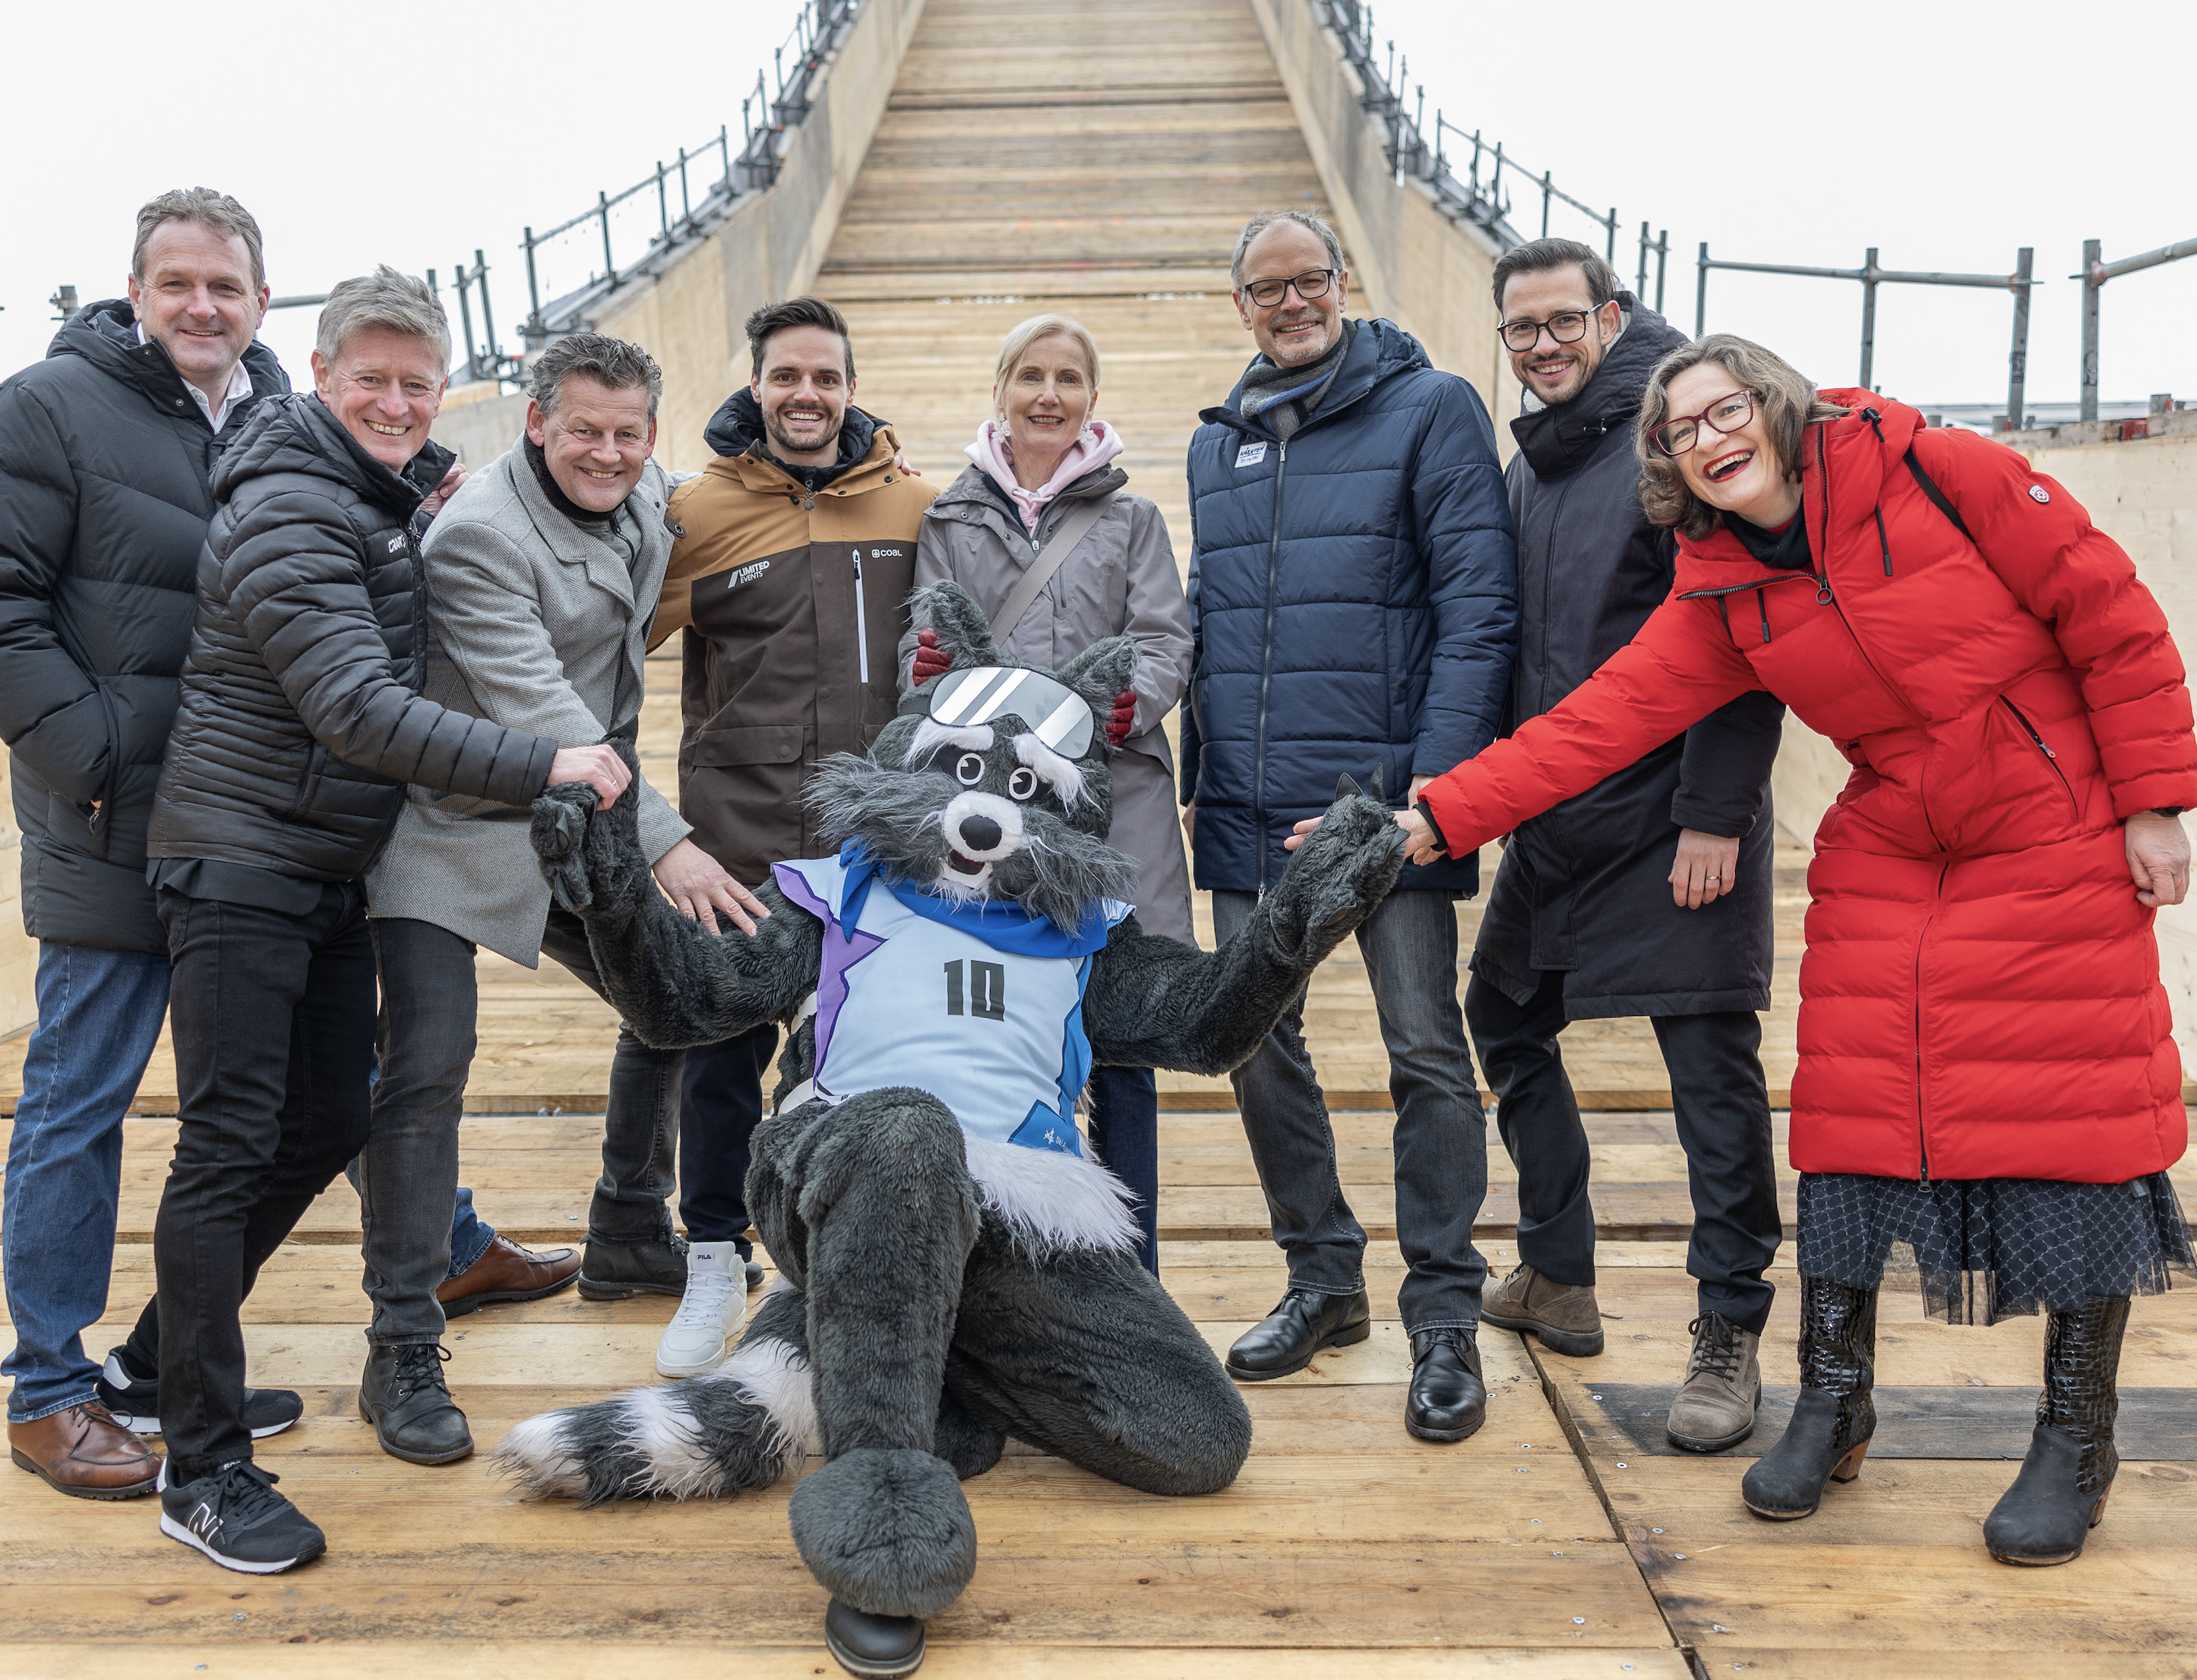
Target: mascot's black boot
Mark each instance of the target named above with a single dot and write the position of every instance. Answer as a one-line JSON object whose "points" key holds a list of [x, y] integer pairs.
{"points": [[1835, 1417], [876, 1648], [2060, 1496]]}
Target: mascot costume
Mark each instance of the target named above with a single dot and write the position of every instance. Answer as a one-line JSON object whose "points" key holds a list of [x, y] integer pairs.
{"points": [[954, 1269]]}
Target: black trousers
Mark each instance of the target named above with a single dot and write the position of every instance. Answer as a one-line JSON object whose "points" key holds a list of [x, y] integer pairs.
{"points": [[1722, 1110], [272, 1018], [720, 1105]]}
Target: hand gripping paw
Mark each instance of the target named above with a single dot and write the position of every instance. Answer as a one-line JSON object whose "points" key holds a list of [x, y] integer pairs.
{"points": [[1347, 865], [559, 830]]}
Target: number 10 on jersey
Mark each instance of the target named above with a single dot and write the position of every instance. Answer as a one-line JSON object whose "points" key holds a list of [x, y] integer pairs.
{"points": [[982, 986]]}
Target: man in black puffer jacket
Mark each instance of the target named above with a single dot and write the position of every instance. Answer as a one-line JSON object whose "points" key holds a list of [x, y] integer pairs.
{"points": [[109, 444], [1649, 894], [300, 725]]}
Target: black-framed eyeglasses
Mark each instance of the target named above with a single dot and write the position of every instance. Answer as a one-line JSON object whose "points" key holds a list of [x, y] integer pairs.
{"points": [[1727, 413], [1567, 327], [1311, 284]]}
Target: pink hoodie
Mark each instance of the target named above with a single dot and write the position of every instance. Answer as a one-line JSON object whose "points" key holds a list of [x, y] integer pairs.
{"points": [[1098, 444]]}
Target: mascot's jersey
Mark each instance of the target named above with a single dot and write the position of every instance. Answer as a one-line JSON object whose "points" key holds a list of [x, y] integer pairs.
{"points": [[980, 1004]]}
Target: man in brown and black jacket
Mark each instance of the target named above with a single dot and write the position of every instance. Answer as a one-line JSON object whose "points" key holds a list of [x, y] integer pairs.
{"points": [[791, 581]]}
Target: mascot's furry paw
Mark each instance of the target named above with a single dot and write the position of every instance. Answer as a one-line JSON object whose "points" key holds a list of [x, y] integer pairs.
{"points": [[559, 830], [1341, 872], [964, 1440], [887, 1530]]}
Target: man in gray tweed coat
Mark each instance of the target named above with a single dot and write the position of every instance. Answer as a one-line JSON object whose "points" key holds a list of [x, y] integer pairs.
{"points": [[542, 576]]}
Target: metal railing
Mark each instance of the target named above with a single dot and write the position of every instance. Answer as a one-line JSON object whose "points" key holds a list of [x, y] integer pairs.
{"points": [[2095, 275], [2019, 282], [1476, 182]]}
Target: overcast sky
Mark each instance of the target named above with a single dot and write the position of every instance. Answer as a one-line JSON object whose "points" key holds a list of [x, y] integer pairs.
{"points": [[1945, 134]]}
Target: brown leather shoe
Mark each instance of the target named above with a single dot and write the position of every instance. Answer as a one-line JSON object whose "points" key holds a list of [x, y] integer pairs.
{"points": [[1563, 1315], [506, 1271], [82, 1451]]}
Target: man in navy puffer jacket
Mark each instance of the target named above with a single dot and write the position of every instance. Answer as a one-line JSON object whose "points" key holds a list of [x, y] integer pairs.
{"points": [[1353, 591]]}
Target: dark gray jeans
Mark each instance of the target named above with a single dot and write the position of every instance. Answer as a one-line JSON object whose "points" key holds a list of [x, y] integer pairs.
{"points": [[1410, 947], [408, 1173]]}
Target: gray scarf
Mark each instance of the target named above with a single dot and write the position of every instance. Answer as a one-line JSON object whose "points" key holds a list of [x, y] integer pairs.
{"points": [[1288, 397]]}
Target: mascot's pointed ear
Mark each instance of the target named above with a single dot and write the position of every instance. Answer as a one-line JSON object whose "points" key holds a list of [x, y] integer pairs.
{"points": [[965, 635], [1102, 671]]}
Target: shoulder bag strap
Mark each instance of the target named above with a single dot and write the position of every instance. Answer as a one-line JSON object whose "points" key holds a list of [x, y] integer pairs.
{"points": [[1049, 560], [1938, 497]]}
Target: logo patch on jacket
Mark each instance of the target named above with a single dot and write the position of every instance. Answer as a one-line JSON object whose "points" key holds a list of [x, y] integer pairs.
{"points": [[742, 574], [884, 554], [395, 545], [2038, 492], [1251, 454]]}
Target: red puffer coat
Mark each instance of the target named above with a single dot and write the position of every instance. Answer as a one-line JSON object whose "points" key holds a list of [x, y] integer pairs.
{"points": [[1980, 994]]}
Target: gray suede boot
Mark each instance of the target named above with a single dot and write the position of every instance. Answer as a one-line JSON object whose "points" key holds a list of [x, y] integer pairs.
{"points": [[1563, 1315], [1715, 1406], [2060, 1495]]}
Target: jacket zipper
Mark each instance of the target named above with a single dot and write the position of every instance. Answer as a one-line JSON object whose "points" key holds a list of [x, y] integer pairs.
{"points": [[1921, 1128], [1267, 666], [861, 620], [2051, 757]]}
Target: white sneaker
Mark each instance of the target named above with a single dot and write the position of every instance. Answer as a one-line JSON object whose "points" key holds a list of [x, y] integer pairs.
{"points": [[714, 1307]]}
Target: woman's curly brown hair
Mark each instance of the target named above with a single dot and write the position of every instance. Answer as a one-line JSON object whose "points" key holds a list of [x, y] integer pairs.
{"points": [[1786, 397]]}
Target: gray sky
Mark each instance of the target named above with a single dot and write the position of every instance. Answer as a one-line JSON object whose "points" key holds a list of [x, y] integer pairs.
{"points": [[1945, 134]]}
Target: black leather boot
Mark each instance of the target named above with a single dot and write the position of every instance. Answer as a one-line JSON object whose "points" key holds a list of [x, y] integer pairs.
{"points": [[2060, 1496], [1835, 1414], [1303, 1324], [1447, 1400], [876, 1648], [404, 1396], [620, 1271]]}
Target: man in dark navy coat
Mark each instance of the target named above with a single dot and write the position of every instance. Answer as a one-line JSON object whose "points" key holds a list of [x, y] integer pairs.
{"points": [[1354, 590], [1649, 894]]}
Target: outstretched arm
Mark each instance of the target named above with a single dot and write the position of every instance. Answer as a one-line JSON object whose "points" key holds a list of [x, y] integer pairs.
{"points": [[677, 985], [1158, 1003]]}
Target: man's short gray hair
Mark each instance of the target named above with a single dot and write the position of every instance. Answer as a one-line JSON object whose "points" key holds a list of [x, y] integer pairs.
{"points": [[216, 212], [611, 363], [1259, 224], [395, 302]]}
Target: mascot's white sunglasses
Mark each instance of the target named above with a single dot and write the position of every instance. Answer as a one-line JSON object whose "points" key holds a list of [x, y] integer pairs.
{"points": [[1057, 714]]}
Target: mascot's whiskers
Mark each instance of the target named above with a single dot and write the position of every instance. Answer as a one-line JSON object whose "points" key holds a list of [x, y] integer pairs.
{"points": [[954, 1268]]}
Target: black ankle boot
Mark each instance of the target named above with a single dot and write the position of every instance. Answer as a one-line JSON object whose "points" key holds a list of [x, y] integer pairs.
{"points": [[402, 1394], [1835, 1417], [2060, 1494]]}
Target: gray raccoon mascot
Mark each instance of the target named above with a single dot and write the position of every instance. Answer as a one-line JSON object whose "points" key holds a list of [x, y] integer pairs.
{"points": [[954, 1269]]}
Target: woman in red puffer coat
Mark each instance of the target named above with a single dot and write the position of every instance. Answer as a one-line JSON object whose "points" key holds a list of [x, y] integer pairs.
{"points": [[1986, 1070]]}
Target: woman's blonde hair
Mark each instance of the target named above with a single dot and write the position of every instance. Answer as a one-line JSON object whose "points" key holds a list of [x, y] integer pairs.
{"points": [[1786, 397], [1043, 327]]}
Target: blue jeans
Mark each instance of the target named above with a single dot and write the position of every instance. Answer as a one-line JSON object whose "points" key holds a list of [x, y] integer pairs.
{"points": [[99, 1017], [1410, 947]]}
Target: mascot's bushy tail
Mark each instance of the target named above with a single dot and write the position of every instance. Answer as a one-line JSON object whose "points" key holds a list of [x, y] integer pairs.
{"points": [[744, 1425]]}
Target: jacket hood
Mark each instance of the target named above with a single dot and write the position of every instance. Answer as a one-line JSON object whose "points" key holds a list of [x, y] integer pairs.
{"points": [[105, 334], [294, 432], [1844, 464], [737, 427], [1380, 350], [1558, 439]]}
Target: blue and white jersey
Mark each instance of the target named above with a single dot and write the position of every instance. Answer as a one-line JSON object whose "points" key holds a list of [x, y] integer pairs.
{"points": [[979, 1004]]}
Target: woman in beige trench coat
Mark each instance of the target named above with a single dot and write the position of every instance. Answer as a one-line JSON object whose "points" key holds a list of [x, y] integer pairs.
{"points": [[1038, 463]]}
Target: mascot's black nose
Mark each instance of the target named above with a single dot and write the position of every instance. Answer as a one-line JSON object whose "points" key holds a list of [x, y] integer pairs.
{"points": [[979, 834]]}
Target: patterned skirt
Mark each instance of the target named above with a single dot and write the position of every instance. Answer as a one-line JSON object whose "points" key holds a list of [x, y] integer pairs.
{"points": [[1992, 1248]]}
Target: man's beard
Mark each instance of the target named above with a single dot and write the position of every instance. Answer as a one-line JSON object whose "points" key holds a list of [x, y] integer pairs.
{"points": [[788, 448]]}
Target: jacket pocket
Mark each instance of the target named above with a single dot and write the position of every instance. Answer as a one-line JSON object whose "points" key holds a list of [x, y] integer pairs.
{"points": [[741, 788], [734, 744], [316, 758], [2051, 757]]}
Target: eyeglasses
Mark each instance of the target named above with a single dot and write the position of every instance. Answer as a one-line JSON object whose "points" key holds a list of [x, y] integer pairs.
{"points": [[1567, 328], [1727, 413], [1311, 284]]}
